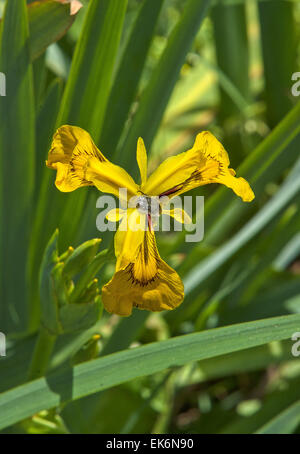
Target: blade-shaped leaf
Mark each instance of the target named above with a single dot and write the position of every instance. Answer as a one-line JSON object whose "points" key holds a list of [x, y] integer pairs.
{"points": [[86, 95], [284, 423], [84, 103], [45, 124], [285, 194], [130, 69], [17, 142], [266, 163], [103, 373], [276, 19], [49, 20], [157, 94]]}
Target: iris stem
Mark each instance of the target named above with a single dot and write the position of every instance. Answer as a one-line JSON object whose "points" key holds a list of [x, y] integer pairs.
{"points": [[42, 354]]}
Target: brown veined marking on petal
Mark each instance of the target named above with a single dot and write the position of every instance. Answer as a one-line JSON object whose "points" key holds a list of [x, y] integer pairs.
{"points": [[78, 165], [197, 175], [149, 220], [140, 272], [79, 160], [211, 160], [94, 152]]}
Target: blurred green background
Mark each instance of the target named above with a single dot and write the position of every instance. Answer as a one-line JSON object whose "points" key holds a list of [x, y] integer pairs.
{"points": [[164, 70]]}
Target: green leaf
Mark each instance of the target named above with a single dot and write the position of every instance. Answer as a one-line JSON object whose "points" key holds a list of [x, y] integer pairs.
{"points": [[285, 194], [84, 104], [58, 314], [86, 95], [89, 273], [14, 367], [155, 98], [231, 41], [272, 405], [129, 72], [49, 20], [276, 19], [284, 423], [49, 309], [17, 145], [45, 125], [78, 317], [81, 257], [125, 332], [102, 373], [252, 359], [266, 163]]}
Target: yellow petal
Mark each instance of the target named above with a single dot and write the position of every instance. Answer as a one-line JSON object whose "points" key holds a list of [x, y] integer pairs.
{"points": [[141, 157], [178, 214], [129, 236], [79, 163], [108, 177], [145, 282], [115, 214], [69, 144], [207, 162]]}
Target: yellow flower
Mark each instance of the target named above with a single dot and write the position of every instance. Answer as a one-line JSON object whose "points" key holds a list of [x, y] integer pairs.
{"points": [[142, 279]]}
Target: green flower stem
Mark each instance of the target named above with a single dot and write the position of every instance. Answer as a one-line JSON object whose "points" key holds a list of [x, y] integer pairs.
{"points": [[42, 354]]}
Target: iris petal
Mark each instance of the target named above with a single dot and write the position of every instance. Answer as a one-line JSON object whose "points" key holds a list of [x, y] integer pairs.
{"points": [[79, 163], [141, 157], [142, 280], [207, 162]]}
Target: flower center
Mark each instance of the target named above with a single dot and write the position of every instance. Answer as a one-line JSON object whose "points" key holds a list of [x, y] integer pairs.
{"points": [[148, 205]]}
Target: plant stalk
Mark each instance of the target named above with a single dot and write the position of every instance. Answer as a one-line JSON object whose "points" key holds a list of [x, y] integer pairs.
{"points": [[42, 354]]}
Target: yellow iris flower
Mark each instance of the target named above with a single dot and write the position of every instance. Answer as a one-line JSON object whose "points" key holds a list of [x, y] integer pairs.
{"points": [[142, 279]]}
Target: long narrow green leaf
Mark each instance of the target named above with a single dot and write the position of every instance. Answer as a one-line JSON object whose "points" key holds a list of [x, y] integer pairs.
{"points": [[103, 373], [285, 194], [279, 234], [266, 163], [49, 20], [272, 405], [85, 99], [130, 69], [276, 19], [284, 423], [231, 41], [45, 124], [125, 332], [271, 302], [252, 359], [157, 94], [84, 103], [17, 142]]}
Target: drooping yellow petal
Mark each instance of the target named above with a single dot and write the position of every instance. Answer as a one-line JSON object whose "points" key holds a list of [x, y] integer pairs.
{"points": [[145, 282], [71, 148], [79, 163], [141, 157], [207, 162]]}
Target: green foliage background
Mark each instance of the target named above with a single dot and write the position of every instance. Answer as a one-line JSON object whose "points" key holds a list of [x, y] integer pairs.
{"points": [[163, 70]]}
